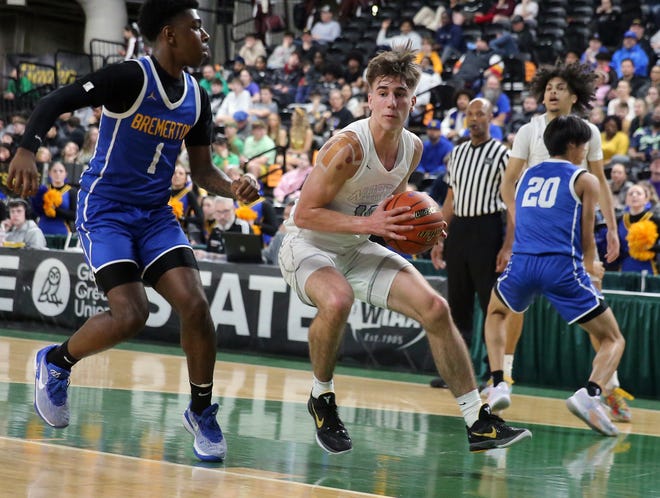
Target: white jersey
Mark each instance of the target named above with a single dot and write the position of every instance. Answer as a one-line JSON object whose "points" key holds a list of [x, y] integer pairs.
{"points": [[528, 144], [366, 189]]}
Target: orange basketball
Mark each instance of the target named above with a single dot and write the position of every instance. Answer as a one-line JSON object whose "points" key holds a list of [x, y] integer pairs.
{"points": [[428, 222]]}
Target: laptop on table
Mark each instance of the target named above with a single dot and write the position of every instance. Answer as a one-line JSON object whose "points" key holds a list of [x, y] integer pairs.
{"points": [[242, 247]]}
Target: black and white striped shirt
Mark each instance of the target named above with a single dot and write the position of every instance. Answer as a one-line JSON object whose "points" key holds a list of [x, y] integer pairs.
{"points": [[475, 175]]}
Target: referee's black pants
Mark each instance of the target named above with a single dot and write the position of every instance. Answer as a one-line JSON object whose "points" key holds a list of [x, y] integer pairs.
{"points": [[471, 253]]}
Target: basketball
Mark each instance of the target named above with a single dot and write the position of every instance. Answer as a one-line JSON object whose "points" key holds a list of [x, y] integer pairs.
{"points": [[428, 223]]}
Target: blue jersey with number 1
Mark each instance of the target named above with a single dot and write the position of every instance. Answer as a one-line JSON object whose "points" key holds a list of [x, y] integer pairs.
{"points": [[137, 150], [548, 211]]}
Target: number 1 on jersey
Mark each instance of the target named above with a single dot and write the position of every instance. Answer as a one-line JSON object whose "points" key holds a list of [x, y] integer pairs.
{"points": [[152, 167]]}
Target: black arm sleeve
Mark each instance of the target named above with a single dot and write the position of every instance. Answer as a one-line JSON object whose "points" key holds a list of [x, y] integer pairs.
{"points": [[202, 133], [68, 214], [116, 87]]}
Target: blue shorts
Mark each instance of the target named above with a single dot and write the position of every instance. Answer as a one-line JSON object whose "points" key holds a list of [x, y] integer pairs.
{"points": [[116, 232], [561, 279]]}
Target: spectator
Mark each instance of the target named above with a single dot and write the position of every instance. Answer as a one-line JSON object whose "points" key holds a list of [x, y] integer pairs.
{"points": [[453, 123], [654, 178], [306, 45], [501, 105], [260, 73], [637, 26], [265, 105], [638, 233], [608, 23], [326, 30], [19, 231], [530, 108], [501, 11], [594, 48], [652, 96], [406, 35], [133, 44], [301, 134], [622, 95], [217, 95], [428, 79], [353, 75], [271, 251], [72, 131], [237, 65], [185, 206], [16, 86], [69, 157], [642, 117], [603, 60], [528, 10], [652, 81], [614, 141], [259, 151], [249, 84], [449, 38], [628, 74], [221, 156], [209, 74], [281, 52], [225, 221], [5, 154], [435, 154], [238, 99], [89, 145], [645, 144], [208, 211], [622, 111], [261, 216], [619, 185], [55, 203], [597, 117], [354, 103], [334, 118], [252, 48], [243, 124], [427, 50], [522, 35], [285, 81], [631, 50], [469, 69], [329, 80], [235, 142], [298, 167], [277, 132], [602, 88]]}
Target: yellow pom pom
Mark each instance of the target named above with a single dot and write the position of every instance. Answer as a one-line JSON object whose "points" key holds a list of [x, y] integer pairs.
{"points": [[177, 208], [641, 237]]}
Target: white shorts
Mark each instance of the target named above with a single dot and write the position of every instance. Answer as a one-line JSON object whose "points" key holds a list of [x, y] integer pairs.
{"points": [[369, 267]]}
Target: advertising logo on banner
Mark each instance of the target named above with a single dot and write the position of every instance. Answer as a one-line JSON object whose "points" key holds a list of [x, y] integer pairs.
{"points": [[51, 287]]}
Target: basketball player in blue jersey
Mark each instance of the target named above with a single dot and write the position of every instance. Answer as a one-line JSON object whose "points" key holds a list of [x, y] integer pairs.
{"points": [[128, 232], [553, 252], [329, 261], [563, 89]]}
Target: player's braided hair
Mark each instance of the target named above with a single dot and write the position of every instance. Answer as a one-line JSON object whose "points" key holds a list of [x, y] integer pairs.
{"points": [[580, 79], [155, 14], [399, 62]]}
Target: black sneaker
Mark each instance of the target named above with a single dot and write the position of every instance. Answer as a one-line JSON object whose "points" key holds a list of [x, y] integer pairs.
{"points": [[330, 431], [438, 382], [490, 431]]}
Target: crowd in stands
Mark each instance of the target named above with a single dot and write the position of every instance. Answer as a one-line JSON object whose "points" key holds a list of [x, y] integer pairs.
{"points": [[275, 104]]}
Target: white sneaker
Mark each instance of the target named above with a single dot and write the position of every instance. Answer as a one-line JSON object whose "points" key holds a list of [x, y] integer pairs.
{"points": [[591, 411], [499, 397]]}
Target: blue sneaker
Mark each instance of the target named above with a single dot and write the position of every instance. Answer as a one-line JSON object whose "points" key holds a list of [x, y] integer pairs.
{"points": [[50, 385], [210, 444]]}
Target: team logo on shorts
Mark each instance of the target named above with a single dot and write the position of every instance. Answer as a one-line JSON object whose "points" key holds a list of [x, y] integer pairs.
{"points": [[51, 287]]}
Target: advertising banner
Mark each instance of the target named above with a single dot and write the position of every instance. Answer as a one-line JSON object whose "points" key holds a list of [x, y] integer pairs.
{"points": [[251, 306]]}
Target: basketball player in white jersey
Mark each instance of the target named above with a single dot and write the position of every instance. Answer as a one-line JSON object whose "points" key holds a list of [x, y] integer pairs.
{"points": [[329, 261]]}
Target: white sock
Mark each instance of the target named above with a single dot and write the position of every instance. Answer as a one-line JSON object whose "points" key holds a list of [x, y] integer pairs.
{"points": [[508, 366], [613, 383], [470, 404], [319, 387]]}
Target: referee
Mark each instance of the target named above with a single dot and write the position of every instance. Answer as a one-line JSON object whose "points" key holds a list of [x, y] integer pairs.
{"points": [[475, 215]]}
